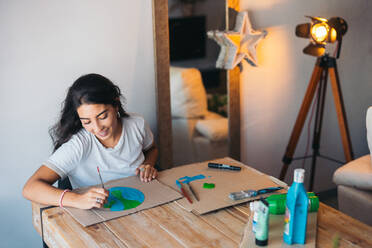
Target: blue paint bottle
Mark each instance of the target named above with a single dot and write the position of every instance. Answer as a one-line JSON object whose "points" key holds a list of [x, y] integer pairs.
{"points": [[296, 211]]}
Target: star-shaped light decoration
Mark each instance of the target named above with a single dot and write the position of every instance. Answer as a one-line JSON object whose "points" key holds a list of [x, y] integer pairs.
{"points": [[234, 4], [238, 44]]}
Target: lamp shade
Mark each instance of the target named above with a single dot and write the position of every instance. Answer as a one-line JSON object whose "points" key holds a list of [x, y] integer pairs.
{"points": [[320, 32]]}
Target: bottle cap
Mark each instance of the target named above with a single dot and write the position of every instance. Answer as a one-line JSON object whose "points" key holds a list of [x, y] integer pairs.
{"points": [[299, 175], [310, 194], [261, 242]]}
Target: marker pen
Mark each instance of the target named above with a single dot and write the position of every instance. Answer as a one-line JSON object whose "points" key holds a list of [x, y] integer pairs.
{"points": [[224, 166]]}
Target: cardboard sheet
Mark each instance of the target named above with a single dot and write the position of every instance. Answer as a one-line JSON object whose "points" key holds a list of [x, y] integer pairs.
{"points": [[155, 193], [276, 227], [226, 181]]}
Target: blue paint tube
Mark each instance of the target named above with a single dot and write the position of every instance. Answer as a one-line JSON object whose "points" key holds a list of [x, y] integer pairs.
{"points": [[262, 228]]}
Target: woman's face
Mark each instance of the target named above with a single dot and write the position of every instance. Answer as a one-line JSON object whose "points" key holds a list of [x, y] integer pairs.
{"points": [[100, 120]]}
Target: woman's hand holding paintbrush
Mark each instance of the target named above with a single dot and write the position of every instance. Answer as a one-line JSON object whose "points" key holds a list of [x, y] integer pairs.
{"points": [[93, 198]]}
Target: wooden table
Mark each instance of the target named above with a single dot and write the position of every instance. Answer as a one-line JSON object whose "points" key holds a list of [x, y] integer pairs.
{"points": [[171, 226]]}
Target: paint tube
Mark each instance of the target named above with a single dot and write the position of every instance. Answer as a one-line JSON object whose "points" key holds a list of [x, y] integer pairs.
{"points": [[262, 228], [254, 210]]}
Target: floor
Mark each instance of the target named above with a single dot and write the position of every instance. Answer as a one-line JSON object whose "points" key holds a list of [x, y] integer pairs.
{"points": [[329, 197]]}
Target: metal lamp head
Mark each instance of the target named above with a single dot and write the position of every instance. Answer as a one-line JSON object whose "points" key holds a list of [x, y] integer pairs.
{"points": [[320, 32]]}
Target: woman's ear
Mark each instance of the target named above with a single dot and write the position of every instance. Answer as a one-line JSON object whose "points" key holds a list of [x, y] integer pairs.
{"points": [[116, 108], [117, 103]]}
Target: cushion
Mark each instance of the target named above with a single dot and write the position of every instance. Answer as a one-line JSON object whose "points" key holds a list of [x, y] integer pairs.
{"points": [[356, 203], [357, 173], [212, 115], [188, 96], [213, 129], [369, 129]]}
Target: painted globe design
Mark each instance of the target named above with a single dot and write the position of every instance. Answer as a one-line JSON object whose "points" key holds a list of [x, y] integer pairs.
{"points": [[124, 198]]}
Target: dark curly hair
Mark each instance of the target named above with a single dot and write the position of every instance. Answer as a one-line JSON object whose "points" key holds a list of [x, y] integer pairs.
{"points": [[87, 89]]}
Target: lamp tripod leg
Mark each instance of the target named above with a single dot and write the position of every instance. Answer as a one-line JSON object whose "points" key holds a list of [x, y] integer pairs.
{"points": [[301, 117], [325, 66], [318, 123], [341, 115]]}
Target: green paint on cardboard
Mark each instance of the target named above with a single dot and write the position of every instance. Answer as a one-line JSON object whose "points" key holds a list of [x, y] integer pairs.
{"points": [[128, 204], [109, 204], [124, 198], [208, 185]]}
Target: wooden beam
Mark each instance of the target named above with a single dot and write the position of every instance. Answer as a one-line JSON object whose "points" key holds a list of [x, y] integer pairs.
{"points": [[163, 111], [233, 89]]}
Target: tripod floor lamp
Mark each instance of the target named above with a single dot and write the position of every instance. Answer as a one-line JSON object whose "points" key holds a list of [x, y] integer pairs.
{"points": [[320, 31]]}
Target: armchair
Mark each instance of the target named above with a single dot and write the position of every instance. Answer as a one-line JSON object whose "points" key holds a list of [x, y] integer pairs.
{"points": [[198, 134], [354, 183]]}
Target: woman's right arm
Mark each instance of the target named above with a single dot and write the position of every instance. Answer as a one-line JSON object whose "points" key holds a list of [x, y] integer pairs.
{"points": [[39, 189]]}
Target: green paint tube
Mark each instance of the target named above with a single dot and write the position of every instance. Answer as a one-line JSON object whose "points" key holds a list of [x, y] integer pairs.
{"points": [[262, 228], [277, 203]]}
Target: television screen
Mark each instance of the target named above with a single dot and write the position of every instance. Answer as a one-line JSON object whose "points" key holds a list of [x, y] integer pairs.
{"points": [[187, 37]]}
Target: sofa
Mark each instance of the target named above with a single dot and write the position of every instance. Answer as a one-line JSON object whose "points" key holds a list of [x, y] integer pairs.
{"points": [[198, 134], [354, 183]]}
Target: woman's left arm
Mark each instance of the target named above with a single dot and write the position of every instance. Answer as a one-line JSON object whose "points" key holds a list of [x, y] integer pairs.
{"points": [[146, 170]]}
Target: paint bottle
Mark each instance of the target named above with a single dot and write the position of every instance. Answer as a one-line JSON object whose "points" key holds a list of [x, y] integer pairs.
{"points": [[262, 228], [277, 203], [295, 220]]}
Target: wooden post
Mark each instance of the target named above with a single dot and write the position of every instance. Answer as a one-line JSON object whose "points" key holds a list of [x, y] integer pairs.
{"points": [[233, 89], [163, 111]]}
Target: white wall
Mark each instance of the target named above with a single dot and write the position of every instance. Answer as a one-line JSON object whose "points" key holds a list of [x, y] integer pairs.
{"points": [[44, 46], [272, 93]]}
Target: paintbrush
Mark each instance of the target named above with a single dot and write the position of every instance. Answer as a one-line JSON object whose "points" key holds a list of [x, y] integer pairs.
{"points": [[99, 174], [252, 193], [192, 191], [185, 193]]}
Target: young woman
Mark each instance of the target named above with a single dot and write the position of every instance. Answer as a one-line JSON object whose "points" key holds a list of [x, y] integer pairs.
{"points": [[93, 130]]}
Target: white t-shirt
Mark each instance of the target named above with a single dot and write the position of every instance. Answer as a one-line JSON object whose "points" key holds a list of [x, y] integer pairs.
{"points": [[79, 157]]}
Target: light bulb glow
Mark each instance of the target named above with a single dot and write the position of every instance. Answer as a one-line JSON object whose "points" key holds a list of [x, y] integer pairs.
{"points": [[319, 32], [333, 36]]}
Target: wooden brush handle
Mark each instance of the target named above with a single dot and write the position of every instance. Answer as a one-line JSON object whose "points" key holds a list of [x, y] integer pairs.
{"points": [[185, 194]]}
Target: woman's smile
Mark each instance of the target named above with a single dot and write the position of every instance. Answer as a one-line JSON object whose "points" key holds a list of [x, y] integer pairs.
{"points": [[102, 121], [103, 133]]}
